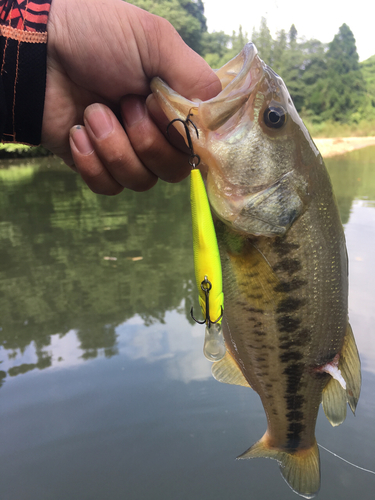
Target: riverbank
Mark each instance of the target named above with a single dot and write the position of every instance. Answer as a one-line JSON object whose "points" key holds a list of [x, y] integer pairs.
{"points": [[327, 146], [340, 145]]}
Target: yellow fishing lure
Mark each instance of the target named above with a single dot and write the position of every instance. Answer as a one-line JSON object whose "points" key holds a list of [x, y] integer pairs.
{"points": [[206, 256], [207, 266]]}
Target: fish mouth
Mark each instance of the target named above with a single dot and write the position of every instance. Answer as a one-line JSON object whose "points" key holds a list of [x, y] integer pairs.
{"points": [[239, 77], [223, 118]]}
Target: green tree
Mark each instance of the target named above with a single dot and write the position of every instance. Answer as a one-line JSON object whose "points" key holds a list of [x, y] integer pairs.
{"points": [[292, 35], [215, 47], [187, 16], [368, 72], [263, 41], [280, 47], [221, 48], [339, 94]]}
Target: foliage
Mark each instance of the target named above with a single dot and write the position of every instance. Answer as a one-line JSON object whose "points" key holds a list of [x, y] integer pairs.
{"points": [[219, 48], [326, 82], [187, 17], [340, 92], [11, 150], [368, 72]]}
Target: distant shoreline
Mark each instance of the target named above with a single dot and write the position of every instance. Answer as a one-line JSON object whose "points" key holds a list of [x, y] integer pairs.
{"points": [[340, 145]]}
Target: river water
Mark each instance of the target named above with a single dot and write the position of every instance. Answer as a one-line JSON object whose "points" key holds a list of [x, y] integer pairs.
{"points": [[105, 392]]}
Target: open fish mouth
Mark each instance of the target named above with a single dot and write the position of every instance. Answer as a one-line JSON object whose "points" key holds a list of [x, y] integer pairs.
{"points": [[238, 78]]}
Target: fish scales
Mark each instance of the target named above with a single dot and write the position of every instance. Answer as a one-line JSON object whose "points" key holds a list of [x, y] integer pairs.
{"points": [[284, 262], [280, 328]]}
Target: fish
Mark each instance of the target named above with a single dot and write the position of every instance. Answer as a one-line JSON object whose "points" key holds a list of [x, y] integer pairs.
{"points": [[284, 260]]}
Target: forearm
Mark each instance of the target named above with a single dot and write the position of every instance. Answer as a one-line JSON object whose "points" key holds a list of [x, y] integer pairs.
{"points": [[23, 52]]}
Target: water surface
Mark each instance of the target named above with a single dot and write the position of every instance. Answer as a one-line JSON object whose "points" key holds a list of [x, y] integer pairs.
{"points": [[105, 391]]}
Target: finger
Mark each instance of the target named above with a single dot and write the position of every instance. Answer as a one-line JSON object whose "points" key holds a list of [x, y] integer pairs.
{"points": [[165, 54], [88, 164], [162, 122], [150, 144], [115, 151]]}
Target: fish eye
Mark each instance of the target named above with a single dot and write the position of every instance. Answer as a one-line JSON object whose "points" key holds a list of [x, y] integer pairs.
{"points": [[274, 116]]}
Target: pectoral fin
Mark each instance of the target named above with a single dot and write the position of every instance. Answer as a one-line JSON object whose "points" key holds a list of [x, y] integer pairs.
{"points": [[227, 371], [335, 396]]}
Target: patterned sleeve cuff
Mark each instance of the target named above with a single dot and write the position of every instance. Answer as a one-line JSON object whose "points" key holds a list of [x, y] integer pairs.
{"points": [[23, 52]]}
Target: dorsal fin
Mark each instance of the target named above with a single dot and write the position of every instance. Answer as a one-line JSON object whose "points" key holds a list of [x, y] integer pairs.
{"points": [[227, 371]]}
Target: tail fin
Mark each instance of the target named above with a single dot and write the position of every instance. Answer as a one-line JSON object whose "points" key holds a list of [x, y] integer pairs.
{"points": [[300, 469]]}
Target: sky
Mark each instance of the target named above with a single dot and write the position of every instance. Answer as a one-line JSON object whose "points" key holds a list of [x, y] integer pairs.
{"points": [[320, 19]]}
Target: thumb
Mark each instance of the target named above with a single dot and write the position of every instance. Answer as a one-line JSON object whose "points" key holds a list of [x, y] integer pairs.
{"points": [[178, 65]]}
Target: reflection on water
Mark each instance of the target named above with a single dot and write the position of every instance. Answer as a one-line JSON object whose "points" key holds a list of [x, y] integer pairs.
{"points": [[77, 265], [105, 390]]}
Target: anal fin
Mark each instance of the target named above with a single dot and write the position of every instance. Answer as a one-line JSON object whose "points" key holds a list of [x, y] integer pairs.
{"points": [[334, 402], [334, 396], [350, 366], [227, 371]]}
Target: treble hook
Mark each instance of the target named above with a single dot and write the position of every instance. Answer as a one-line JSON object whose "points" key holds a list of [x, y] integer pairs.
{"points": [[185, 123], [206, 287]]}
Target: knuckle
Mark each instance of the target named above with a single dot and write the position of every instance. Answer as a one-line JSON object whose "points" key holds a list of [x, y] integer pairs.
{"points": [[149, 145], [115, 163], [106, 190], [145, 185], [177, 175], [99, 183]]}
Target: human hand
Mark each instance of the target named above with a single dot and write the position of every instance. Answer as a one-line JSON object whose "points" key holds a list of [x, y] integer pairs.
{"points": [[101, 56]]}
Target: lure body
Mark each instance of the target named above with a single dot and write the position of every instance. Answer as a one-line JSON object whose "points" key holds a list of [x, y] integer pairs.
{"points": [[207, 268], [206, 251]]}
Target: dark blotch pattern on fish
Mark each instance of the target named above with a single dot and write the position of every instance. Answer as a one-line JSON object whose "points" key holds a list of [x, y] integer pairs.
{"points": [[299, 339], [294, 372], [290, 286], [294, 431], [291, 356], [253, 274], [289, 266], [289, 305], [254, 310], [294, 402], [283, 248], [259, 333], [295, 415], [288, 324]]}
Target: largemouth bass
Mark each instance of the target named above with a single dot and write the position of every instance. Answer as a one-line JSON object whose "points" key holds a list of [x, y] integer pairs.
{"points": [[284, 261]]}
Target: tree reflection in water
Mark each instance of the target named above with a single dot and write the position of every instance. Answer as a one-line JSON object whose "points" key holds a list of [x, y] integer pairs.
{"points": [[77, 266], [71, 260]]}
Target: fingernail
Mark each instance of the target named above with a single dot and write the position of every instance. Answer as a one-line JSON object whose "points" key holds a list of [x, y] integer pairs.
{"points": [[81, 141], [99, 121], [133, 111]]}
